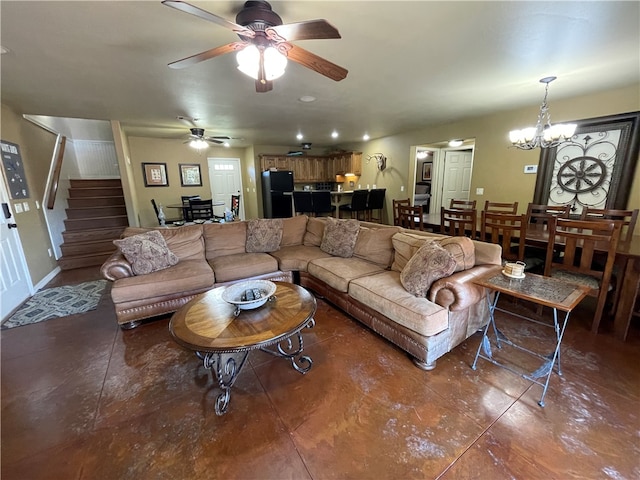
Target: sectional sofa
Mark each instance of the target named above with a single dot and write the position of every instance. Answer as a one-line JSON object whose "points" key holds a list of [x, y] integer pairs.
{"points": [[413, 288]]}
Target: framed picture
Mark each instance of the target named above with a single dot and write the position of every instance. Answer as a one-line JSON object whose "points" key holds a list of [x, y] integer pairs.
{"points": [[426, 171], [155, 174], [190, 175]]}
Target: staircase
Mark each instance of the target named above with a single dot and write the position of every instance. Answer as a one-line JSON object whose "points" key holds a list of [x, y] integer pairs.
{"points": [[96, 216]]}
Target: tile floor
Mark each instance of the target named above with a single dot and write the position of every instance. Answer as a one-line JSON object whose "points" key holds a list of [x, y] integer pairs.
{"points": [[82, 399]]}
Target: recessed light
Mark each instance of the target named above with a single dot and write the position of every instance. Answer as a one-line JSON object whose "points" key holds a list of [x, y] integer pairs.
{"points": [[334, 134], [307, 98], [365, 137], [299, 136]]}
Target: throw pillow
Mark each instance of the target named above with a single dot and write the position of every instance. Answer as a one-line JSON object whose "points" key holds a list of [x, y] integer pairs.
{"points": [[430, 263], [374, 245], [462, 249], [314, 232], [263, 235], [340, 236], [146, 252]]}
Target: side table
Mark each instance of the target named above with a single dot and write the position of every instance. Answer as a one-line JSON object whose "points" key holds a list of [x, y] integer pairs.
{"points": [[546, 291]]}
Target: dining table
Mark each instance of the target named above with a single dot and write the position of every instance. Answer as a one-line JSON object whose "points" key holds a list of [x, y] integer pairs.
{"points": [[627, 255], [185, 207]]}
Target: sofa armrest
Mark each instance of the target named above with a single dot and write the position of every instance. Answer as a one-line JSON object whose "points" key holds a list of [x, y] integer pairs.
{"points": [[457, 292], [116, 267]]}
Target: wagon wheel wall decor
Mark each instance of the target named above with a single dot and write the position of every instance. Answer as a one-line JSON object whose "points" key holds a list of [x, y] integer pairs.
{"points": [[595, 168]]}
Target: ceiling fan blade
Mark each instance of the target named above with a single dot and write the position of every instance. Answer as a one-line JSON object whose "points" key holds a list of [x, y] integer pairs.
{"points": [[198, 12], [220, 137], [267, 86], [213, 140], [309, 30], [316, 63], [214, 52]]}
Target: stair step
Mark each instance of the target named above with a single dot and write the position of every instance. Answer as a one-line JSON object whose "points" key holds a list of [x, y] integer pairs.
{"points": [[92, 235], [82, 202], [80, 261], [94, 182], [94, 212], [95, 192], [87, 248], [91, 223]]}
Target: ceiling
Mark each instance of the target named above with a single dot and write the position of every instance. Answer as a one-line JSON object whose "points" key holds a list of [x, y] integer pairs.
{"points": [[411, 64]]}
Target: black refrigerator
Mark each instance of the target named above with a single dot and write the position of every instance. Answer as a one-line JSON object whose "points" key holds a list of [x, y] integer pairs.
{"points": [[277, 194]]}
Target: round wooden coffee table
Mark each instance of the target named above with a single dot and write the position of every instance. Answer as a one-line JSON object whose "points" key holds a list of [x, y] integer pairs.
{"points": [[209, 326]]}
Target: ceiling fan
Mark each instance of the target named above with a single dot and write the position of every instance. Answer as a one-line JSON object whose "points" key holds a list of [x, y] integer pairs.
{"points": [[264, 42], [198, 140]]}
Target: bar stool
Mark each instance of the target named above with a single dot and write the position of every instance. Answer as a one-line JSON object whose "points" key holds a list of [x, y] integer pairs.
{"points": [[375, 202], [358, 204]]}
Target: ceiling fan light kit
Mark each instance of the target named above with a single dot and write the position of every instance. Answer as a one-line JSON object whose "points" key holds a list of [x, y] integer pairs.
{"points": [[543, 135], [264, 48]]}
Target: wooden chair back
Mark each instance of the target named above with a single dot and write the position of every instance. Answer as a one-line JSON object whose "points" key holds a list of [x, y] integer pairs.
{"points": [[458, 223], [501, 207], [627, 217], [410, 217], [537, 213], [186, 208], [460, 204], [201, 209], [581, 241], [396, 209], [506, 230], [235, 206]]}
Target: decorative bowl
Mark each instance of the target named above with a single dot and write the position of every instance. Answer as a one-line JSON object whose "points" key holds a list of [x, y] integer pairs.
{"points": [[235, 294]]}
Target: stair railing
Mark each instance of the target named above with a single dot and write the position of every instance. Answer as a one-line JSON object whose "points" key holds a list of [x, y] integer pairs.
{"points": [[55, 177]]}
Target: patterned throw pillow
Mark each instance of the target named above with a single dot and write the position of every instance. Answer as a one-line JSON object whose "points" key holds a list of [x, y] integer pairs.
{"points": [[430, 263], [146, 252], [340, 236], [263, 235], [462, 249]]}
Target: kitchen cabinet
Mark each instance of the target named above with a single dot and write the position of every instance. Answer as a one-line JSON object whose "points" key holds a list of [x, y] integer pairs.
{"points": [[279, 162], [309, 169]]}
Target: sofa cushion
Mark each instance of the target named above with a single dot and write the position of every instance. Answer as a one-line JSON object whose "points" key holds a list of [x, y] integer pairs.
{"points": [[146, 252], [340, 237], [314, 232], [430, 263], [337, 272], [374, 245], [463, 251], [384, 293], [263, 235], [242, 265], [293, 230], [297, 257], [186, 242], [187, 276], [222, 239]]}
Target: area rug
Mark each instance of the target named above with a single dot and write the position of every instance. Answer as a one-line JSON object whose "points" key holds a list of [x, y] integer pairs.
{"points": [[57, 302]]}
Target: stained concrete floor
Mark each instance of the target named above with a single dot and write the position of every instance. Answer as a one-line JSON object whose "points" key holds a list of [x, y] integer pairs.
{"points": [[82, 399]]}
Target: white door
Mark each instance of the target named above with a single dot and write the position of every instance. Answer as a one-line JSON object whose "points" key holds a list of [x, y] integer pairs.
{"points": [[225, 180], [457, 176], [15, 282]]}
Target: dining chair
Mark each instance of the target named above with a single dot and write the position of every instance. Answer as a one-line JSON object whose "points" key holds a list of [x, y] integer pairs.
{"points": [[396, 209], [506, 230], [411, 217], [461, 204], [457, 222], [201, 209], [235, 206], [628, 219], [321, 202], [501, 207], [358, 204], [302, 202], [375, 202], [186, 209], [157, 211], [541, 214], [581, 241]]}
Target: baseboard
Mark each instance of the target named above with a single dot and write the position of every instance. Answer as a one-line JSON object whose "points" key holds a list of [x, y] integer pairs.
{"points": [[42, 283]]}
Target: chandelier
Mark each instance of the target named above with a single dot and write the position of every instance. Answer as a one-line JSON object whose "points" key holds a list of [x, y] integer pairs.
{"points": [[544, 134]]}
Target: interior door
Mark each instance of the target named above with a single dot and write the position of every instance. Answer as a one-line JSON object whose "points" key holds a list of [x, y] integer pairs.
{"points": [[457, 175], [15, 282], [225, 180]]}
